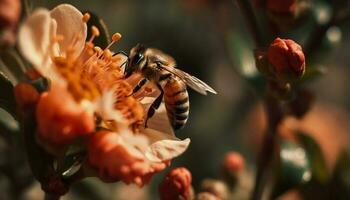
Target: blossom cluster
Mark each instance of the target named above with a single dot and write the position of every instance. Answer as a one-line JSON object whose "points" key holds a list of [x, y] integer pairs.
{"points": [[89, 102]]}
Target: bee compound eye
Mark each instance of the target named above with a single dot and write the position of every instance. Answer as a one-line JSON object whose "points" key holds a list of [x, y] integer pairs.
{"points": [[138, 58]]}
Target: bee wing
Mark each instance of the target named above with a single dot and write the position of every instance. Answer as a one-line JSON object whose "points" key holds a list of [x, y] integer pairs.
{"points": [[192, 81]]}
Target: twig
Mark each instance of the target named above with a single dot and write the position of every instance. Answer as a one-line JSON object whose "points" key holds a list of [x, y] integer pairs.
{"points": [[274, 116]]}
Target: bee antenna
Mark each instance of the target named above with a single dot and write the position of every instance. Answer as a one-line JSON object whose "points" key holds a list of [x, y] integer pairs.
{"points": [[141, 47]]}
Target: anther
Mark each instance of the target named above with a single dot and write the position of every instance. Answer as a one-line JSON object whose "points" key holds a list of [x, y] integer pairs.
{"points": [[95, 31], [98, 50], [86, 17], [116, 37]]}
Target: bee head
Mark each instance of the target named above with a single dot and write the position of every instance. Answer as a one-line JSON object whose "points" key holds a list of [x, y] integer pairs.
{"points": [[136, 57]]}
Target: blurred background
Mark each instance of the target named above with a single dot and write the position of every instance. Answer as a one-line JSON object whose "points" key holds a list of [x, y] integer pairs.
{"points": [[209, 39]]}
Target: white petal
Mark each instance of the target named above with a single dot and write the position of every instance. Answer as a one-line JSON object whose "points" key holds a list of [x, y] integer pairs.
{"points": [[70, 25], [166, 149], [135, 144], [159, 121], [34, 38]]}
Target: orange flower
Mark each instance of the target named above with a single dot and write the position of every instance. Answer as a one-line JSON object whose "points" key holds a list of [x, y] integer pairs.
{"points": [[287, 58], [116, 159], [60, 120], [176, 185], [88, 92]]}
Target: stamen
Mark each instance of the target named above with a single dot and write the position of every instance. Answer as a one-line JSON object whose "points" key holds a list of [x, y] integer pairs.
{"points": [[86, 17], [95, 33], [115, 38], [107, 54]]}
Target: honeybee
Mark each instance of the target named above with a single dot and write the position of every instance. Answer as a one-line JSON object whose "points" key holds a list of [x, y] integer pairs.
{"points": [[159, 68]]}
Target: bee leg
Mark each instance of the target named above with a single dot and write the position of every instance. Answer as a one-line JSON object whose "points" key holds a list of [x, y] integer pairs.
{"points": [[141, 83], [155, 105], [125, 54], [121, 52]]}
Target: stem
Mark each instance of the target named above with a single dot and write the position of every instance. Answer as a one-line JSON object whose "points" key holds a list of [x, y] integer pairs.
{"points": [[274, 116], [252, 23]]}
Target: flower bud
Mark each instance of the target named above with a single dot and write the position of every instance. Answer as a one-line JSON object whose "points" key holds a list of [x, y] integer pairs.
{"points": [[232, 165], [176, 185], [10, 11], [215, 187], [284, 6], [206, 196], [287, 59], [233, 162], [26, 96]]}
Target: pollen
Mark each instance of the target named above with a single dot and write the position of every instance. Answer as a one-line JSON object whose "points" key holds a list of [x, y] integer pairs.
{"points": [[122, 89], [116, 37], [133, 111], [95, 31], [96, 70], [86, 17]]}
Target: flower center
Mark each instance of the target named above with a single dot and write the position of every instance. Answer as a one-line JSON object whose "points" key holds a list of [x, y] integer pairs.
{"points": [[93, 71], [96, 70]]}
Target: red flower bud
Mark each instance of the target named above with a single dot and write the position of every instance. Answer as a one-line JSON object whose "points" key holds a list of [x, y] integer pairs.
{"points": [[26, 96], [232, 165], [281, 6], [176, 185], [10, 11], [287, 58], [233, 162]]}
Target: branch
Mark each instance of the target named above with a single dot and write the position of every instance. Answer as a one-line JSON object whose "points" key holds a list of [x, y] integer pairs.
{"points": [[274, 116]]}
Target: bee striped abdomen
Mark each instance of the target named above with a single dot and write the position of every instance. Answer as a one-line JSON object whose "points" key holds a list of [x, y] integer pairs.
{"points": [[176, 102]]}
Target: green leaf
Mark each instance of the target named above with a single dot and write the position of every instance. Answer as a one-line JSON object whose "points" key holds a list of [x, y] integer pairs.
{"points": [[7, 99], [241, 52], [14, 63], [104, 39], [312, 73], [294, 167], [7, 123], [315, 154]]}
